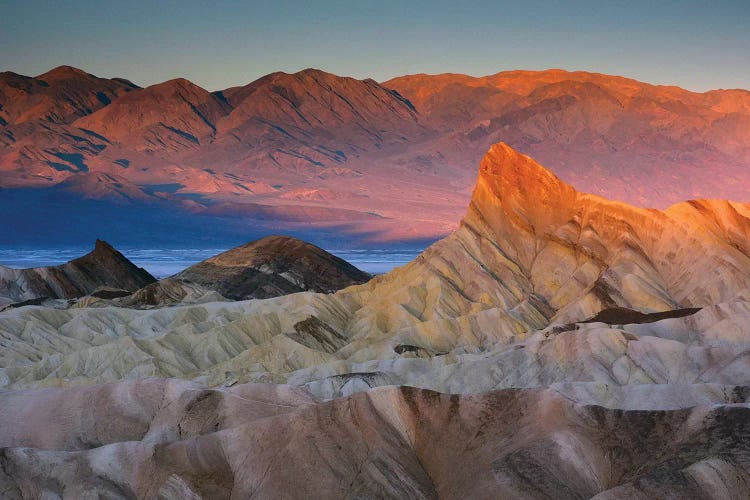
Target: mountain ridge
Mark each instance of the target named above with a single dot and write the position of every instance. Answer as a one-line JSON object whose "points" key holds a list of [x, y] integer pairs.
{"points": [[102, 267], [59, 95]]}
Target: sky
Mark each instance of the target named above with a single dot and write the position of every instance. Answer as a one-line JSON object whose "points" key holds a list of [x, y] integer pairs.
{"points": [[697, 45]]}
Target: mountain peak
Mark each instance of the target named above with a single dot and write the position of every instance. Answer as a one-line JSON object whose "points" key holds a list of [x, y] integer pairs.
{"points": [[106, 265], [272, 266], [102, 247], [315, 72], [517, 169], [102, 251], [102, 267], [174, 86], [324, 77], [349, 112], [64, 72], [174, 115], [516, 199], [61, 95], [177, 82], [519, 186]]}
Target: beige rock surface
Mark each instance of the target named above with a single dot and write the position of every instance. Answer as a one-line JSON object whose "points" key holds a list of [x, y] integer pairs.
{"points": [[170, 440]]}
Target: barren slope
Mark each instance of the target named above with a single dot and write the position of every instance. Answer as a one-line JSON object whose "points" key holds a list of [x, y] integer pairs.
{"points": [[261, 441], [604, 134], [59, 96], [273, 266], [102, 267]]}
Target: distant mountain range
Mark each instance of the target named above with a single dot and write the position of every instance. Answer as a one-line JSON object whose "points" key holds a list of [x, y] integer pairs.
{"points": [[332, 158]]}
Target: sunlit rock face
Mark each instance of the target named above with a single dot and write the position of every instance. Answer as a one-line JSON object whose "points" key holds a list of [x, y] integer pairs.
{"points": [[609, 135], [556, 345], [581, 253]]}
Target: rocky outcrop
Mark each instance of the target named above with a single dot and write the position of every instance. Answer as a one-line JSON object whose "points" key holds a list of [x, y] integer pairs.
{"points": [[578, 253], [167, 292], [273, 266], [103, 267]]}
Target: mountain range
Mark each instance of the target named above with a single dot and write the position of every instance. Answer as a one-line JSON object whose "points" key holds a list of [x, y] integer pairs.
{"points": [[338, 159]]}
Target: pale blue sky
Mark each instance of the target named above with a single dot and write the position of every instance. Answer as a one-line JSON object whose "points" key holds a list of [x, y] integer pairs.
{"points": [[217, 44]]}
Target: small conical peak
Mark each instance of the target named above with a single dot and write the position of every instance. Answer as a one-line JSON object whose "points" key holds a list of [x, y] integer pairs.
{"points": [[317, 73], [102, 252], [254, 270], [64, 72], [177, 84], [102, 247], [266, 249]]}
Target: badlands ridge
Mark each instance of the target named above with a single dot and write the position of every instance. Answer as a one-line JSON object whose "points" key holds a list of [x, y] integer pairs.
{"points": [[481, 352], [103, 267]]}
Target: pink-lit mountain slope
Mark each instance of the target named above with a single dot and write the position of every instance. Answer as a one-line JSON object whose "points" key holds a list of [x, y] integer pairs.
{"points": [[400, 153], [644, 144]]}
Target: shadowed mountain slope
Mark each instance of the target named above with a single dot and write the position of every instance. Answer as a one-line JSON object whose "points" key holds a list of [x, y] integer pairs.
{"points": [[103, 267], [273, 266]]}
